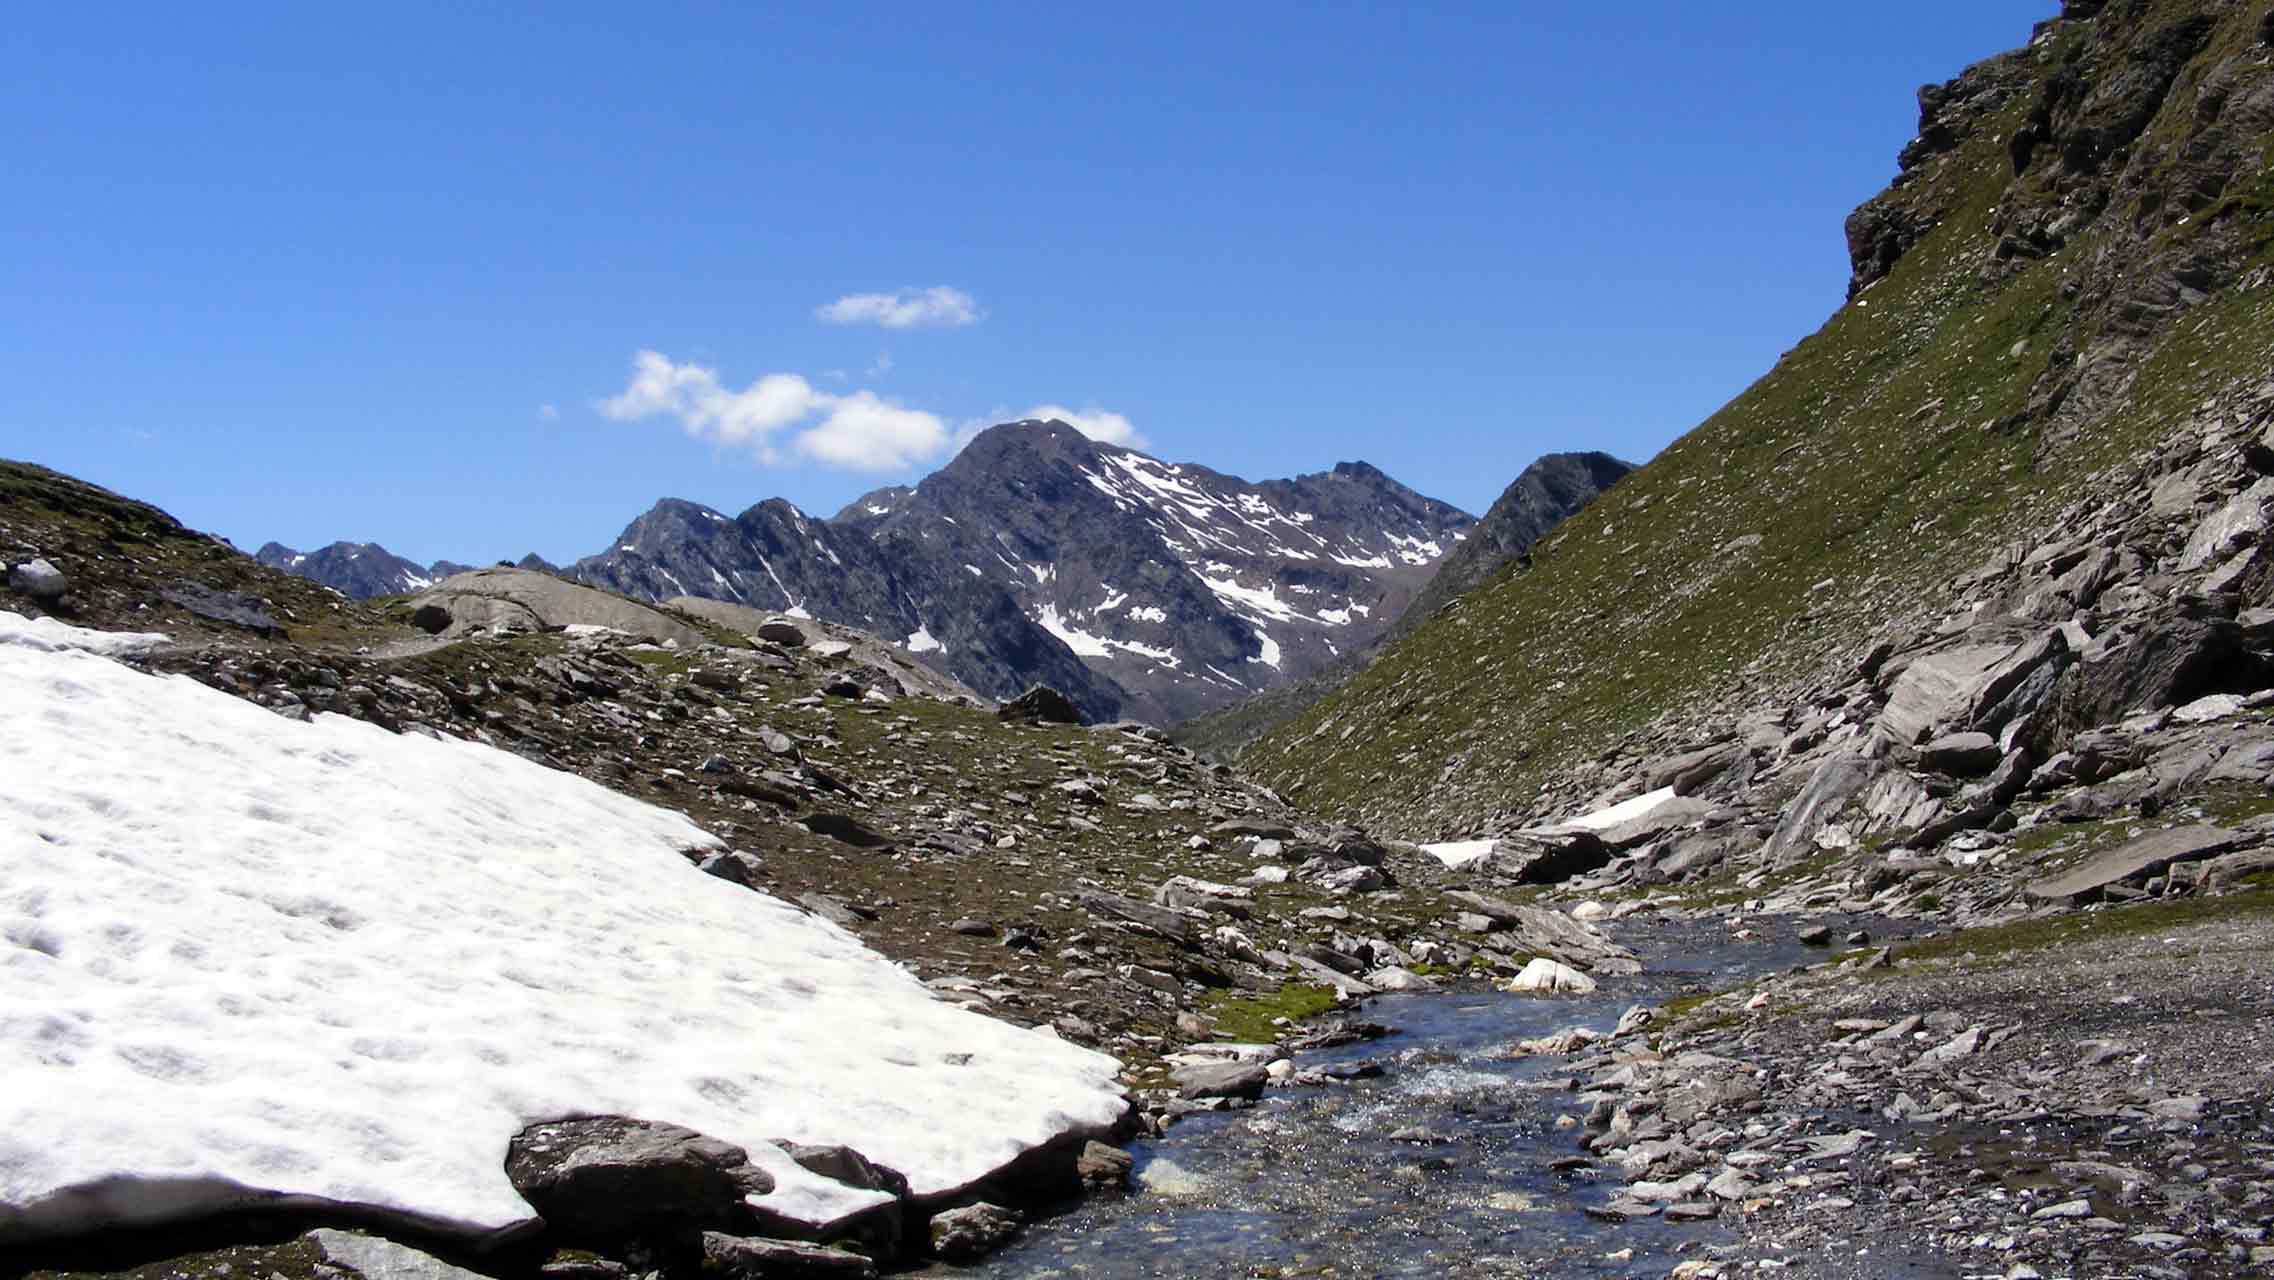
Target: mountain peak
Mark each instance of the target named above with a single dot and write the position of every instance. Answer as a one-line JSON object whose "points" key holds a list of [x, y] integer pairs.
{"points": [[1038, 553]]}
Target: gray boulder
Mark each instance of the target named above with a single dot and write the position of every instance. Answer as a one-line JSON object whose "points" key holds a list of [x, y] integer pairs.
{"points": [[1547, 857], [229, 608], [752, 1258], [1040, 705], [374, 1258], [2133, 860], [1104, 1168], [1693, 771], [1965, 755], [39, 580], [609, 1176], [973, 1231], [1222, 1080], [845, 829]]}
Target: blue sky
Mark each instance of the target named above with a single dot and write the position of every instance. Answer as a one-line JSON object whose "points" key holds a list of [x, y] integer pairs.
{"points": [[388, 272]]}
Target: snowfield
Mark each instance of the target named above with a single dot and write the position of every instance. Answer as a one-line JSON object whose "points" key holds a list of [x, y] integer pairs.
{"points": [[240, 955]]}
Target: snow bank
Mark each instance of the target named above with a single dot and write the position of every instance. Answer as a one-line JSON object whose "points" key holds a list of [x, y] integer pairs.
{"points": [[46, 635], [239, 952], [1460, 854], [1624, 811]]}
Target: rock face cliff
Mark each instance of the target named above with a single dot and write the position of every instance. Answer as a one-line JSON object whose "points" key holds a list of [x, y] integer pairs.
{"points": [[1140, 587]]}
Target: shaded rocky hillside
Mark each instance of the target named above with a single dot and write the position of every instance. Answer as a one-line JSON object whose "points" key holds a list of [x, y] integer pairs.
{"points": [[366, 570], [1179, 589], [1543, 496], [776, 557], [2053, 359]]}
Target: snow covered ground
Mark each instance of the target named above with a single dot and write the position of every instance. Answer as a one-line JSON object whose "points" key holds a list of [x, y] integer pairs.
{"points": [[239, 952]]}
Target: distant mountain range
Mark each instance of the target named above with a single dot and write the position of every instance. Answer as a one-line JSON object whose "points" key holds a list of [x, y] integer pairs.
{"points": [[1139, 587], [363, 570]]}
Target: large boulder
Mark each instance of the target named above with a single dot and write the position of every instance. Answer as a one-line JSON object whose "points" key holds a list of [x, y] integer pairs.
{"points": [[1222, 1080], [39, 580], [1546, 857], [1964, 755], [1041, 705], [1693, 771], [2134, 860], [757, 1258], [519, 600], [611, 1176], [973, 1231], [1546, 977], [2189, 646]]}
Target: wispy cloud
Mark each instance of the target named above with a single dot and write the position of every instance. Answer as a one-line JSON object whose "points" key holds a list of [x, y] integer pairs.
{"points": [[549, 412], [861, 431], [938, 307]]}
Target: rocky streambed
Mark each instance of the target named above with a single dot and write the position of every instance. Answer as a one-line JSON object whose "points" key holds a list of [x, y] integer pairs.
{"points": [[1438, 1148], [1978, 1104]]}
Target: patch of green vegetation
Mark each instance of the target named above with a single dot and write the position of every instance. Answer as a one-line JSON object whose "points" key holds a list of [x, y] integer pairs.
{"points": [[665, 662], [1996, 944], [470, 660], [2232, 806], [1255, 1018]]}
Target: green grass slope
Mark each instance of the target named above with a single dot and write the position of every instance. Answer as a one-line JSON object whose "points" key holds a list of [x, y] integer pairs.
{"points": [[1984, 382]]}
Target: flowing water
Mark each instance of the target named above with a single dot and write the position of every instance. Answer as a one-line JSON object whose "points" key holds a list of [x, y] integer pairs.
{"points": [[1443, 1166]]}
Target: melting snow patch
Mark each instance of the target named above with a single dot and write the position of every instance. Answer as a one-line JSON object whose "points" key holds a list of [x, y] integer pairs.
{"points": [[1460, 854], [248, 955], [46, 635], [923, 642], [1270, 655], [1089, 645], [1263, 600], [1623, 811]]}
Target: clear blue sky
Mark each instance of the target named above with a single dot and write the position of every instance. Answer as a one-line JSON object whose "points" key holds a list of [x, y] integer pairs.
{"points": [[382, 271]]}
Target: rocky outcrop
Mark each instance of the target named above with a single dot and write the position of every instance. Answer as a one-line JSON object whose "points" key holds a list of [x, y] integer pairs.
{"points": [[609, 1176], [504, 601], [1549, 491]]}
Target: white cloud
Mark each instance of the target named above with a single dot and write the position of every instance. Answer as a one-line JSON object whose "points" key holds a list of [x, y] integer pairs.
{"points": [[870, 434], [1098, 424], [880, 366], [860, 430], [937, 307]]}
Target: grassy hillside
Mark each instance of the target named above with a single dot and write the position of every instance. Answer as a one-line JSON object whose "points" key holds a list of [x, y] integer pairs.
{"points": [[2037, 328]]}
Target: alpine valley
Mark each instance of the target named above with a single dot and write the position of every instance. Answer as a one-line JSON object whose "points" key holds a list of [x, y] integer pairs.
{"points": [[1841, 845]]}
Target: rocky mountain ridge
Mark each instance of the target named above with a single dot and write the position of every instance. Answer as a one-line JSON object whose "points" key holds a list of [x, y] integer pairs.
{"points": [[1038, 552], [1546, 493], [366, 570]]}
